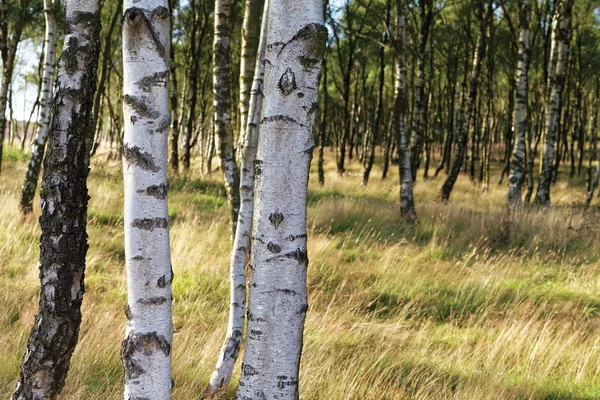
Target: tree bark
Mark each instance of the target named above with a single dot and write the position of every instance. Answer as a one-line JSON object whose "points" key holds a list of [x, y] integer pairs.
{"points": [[515, 179], [64, 199], [464, 129], [37, 149], [557, 80], [241, 244], [407, 204], [222, 96], [296, 44], [250, 39], [146, 350]]}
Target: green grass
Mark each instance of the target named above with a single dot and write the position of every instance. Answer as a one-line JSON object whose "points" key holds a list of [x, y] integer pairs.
{"points": [[466, 304]]}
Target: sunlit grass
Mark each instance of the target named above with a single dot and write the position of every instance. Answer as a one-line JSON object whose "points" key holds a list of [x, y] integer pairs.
{"points": [[467, 304]]}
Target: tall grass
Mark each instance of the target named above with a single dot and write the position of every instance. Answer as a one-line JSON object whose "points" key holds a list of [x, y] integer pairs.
{"points": [[468, 304]]}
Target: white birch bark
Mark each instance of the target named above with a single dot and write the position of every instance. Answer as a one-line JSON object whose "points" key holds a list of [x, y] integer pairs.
{"points": [[146, 350], [553, 106], [37, 148], [515, 179], [296, 44], [407, 203], [241, 243]]}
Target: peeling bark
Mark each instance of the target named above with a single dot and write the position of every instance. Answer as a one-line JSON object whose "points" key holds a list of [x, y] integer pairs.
{"points": [[146, 350], [64, 195], [296, 41]]}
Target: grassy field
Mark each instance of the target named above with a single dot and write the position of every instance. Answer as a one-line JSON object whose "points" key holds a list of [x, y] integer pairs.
{"points": [[467, 304]]}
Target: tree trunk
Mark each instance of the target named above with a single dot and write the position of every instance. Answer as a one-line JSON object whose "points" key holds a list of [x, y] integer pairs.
{"points": [[464, 129], [296, 44], [250, 38], [419, 104], [173, 99], [222, 93], [146, 350], [515, 179], [563, 26], [323, 125], [407, 205], [241, 244], [37, 150], [64, 195]]}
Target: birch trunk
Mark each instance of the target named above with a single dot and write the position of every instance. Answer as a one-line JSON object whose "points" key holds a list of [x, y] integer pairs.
{"points": [[241, 244], [250, 38], [515, 179], [222, 103], [296, 44], [407, 204], [37, 149], [470, 102], [593, 186], [557, 80], [418, 122], [146, 350], [64, 199]]}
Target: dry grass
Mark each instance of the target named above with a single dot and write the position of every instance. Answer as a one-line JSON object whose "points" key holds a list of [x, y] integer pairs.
{"points": [[467, 304]]}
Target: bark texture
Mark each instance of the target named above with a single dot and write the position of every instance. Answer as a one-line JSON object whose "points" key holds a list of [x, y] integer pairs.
{"points": [[39, 145], [64, 195], [222, 103], [241, 243], [515, 179], [146, 350], [296, 44], [560, 44]]}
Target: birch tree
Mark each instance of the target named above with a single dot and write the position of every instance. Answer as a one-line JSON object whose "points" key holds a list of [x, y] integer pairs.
{"points": [[515, 180], [146, 350], [470, 101], [407, 204], [560, 44], [239, 256], [64, 199], [250, 39], [222, 103], [296, 43], [39, 145]]}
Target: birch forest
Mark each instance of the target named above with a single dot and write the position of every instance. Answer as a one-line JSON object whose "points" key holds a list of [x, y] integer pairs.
{"points": [[285, 199]]}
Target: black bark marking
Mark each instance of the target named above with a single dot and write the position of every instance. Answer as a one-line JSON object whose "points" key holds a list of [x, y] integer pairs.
{"points": [[291, 238], [128, 313], [158, 79], [299, 255], [163, 281], [276, 218], [161, 12], [281, 118], [288, 291], [141, 343], [287, 82], [257, 170], [164, 124], [135, 17], [282, 382], [134, 155], [273, 248], [248, 370], [149, 224], [316, 37], [308, 62], [158, 191], [153, 301], [140, 107]]}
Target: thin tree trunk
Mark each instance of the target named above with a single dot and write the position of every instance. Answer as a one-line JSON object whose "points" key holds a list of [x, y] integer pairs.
{"points": [[37, 150], [464, 130], [219, 380], [515, 179], [250, 37], [296, 44], [173, 98], [563, 26], [146, 350], [323, 125], [407, 204], [63, 244], [222, 93], [593, 187]]}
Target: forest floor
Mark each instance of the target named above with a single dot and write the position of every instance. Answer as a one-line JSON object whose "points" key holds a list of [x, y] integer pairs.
{"points": [[467, 304]]}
